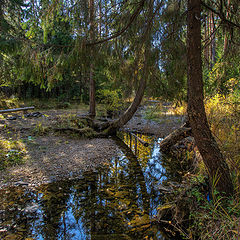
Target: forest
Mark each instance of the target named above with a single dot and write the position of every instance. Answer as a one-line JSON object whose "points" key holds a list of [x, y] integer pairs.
{"points": [[120, 119]]}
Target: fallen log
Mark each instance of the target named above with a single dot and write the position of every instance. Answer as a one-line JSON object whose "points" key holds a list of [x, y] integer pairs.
{"points": [[177, 135], [16, 109]]}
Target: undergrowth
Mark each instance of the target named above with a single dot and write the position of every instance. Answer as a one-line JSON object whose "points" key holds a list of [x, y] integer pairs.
{"points": [[12, 152], [224, 118], [6, 103], [211, 216], [215, 217], [220, 218]]}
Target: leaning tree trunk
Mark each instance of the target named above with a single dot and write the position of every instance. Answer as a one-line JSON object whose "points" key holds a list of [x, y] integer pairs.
{"points": [[146, 43], [128, 114], [103, 129], [213, 159]]}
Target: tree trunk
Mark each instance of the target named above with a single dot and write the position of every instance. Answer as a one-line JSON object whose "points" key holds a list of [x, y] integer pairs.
{"points": [[92, 94], [213, 159], [226, 42], [213, 41], [1, 18], [134, 106], [110, 128], [206, 50], [92, 88], [146, 43]]}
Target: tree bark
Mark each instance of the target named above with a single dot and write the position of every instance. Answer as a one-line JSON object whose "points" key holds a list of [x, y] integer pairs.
{"points": [[174, 137], [1, 17], [92, 87], [213, 159], [226, 42], [213, 41], [92, 94]]}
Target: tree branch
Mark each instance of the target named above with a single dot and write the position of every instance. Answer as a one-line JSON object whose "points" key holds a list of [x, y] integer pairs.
{"points": [[115, 35], [222, 17]]}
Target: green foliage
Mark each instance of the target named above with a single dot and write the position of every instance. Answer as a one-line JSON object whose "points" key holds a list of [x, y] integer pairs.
{"points": [[40, 129], [172, 76], [215, 219], [224, 77], [6, 103], [111, 100]]}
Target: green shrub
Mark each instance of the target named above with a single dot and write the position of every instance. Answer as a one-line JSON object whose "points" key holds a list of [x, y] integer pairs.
{"points": [[111, 99]]}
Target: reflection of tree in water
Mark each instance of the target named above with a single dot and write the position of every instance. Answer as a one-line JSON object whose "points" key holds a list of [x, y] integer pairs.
{"points": [[150, 160], [140, 151], [13, 216], [54, 204], [114, 202]]}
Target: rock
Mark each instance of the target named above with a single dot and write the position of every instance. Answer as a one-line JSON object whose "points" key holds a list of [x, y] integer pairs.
{"points": [[12, 118], [35, 114], [20, 183], [31, 208]]}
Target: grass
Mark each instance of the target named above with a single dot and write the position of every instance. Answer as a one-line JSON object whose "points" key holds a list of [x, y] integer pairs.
{"points": [[12, 152], [219, 218], [6, 103], [212, 217], [158, 111]]}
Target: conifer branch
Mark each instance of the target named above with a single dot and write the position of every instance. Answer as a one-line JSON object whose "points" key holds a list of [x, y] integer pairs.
{"points": [[221, 15]]}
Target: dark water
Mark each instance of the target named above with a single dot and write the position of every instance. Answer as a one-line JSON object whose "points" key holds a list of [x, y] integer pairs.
{"points": [[117, 201]]}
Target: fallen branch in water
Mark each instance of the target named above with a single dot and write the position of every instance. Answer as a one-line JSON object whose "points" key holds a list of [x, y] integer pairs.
{"points": [[174, 137], [145, 144]]}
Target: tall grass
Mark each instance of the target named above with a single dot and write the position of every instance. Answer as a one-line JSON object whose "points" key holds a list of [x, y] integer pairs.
{"points": [[219, 218]]}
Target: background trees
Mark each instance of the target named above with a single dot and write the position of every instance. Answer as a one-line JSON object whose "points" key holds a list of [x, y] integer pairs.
{"points": [[46, 47]]}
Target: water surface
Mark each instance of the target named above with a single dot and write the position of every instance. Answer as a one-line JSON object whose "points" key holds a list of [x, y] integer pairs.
{"points": [[116, 201]]}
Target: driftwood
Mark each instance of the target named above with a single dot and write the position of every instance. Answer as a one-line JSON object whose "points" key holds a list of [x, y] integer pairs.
{"points": [[16, 109], [177, 135], [145, 144]]}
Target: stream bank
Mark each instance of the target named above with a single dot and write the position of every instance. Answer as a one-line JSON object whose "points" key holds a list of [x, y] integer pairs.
{"points": [[117, 200], [125, 176], [51, 156]]}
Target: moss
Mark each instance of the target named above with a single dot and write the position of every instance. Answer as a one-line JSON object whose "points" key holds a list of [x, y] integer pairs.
{"points": [[12, 152]]}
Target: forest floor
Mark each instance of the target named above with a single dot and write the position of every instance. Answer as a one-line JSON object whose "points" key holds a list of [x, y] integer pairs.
{"points": [[51, 156]]}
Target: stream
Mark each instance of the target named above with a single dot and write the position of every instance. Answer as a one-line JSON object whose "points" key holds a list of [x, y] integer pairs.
{"points": [[117, 201]]}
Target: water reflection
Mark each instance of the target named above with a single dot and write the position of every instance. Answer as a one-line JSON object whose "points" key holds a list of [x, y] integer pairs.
{"points": [[117, 201]]}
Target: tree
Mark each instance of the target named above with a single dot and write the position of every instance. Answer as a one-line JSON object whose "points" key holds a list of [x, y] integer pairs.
{"points": [[112, 127], [92, 87], [212, 157]]}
